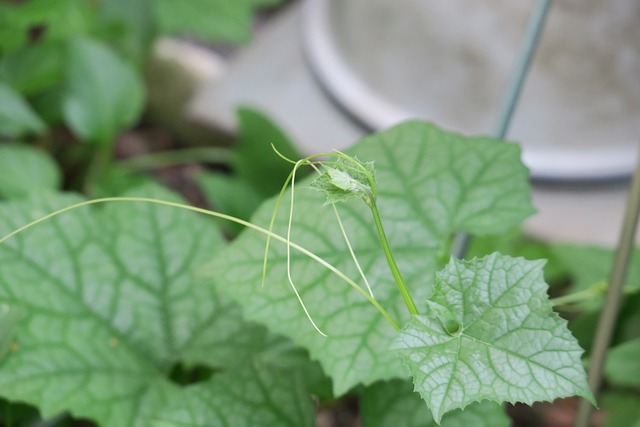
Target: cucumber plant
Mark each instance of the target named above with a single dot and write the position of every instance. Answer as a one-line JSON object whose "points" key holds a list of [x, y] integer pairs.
{"points": [[112, 301]]}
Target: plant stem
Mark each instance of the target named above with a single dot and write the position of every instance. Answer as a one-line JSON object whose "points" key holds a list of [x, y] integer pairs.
{"points": [[102, 158], [247, 224], [406, 295], [592, 291], [609, 313], [596, 290], [177, 157]]}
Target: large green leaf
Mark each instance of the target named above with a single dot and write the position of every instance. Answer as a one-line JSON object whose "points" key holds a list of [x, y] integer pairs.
{"points": [[394, 403], [26, 169], [516, 243], [430, 184], [16, 116], [105, 95], [490, 333], [263, 397], [110, 306], [9, 317], [216, 20]]}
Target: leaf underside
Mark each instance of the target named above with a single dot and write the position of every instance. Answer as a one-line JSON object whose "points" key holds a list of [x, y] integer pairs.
{"points": [[430, 184], [511, 346]]}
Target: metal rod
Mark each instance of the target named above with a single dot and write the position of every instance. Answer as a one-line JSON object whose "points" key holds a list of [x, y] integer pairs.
{"points": [[609, 314], [513, 91]]}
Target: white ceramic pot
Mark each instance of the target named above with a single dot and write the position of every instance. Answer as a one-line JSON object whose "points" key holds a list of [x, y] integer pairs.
{"points": [[449, 62]]}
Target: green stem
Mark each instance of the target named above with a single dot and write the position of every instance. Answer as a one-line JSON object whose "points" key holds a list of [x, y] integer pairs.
{"points": [[515, 86], [406, 295], [595, 290], [101, 161], [247, 224], [177, 157]]}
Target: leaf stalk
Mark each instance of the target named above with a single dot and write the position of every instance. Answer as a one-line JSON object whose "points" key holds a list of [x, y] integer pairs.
{"points": [[404, 291]]}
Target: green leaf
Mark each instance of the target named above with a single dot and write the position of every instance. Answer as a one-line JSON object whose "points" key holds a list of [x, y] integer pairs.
{"points": [[255, 161], [133, 21], [105, 95], [230, 195], [590, 264], [623, 364], [516, 243], [622, 409], [394, 403], [343, 181], [430, 184], [214, 20], [9, 317], [110, 307], [511, 346], [26, 169], [119, 180], [265, 397], [16, 116], [62, 19], [34, 68]]}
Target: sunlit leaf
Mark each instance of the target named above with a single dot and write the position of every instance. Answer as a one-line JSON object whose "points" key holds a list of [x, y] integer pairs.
{"points": [[509, 347]]}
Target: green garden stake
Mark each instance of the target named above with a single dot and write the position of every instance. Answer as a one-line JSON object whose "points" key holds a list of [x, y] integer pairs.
{"points": [[512, 94]]}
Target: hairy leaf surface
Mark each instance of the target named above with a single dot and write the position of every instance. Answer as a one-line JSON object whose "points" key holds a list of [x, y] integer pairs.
{"points": [[430, 184], [110, 306], [394, 403], [510, 346]]}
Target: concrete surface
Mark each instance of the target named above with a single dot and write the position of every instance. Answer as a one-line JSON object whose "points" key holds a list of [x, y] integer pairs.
{"points": [[272, 74]]}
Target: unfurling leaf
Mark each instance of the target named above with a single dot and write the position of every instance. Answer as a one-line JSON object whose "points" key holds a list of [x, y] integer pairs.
{"points": [[346, 179]]}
